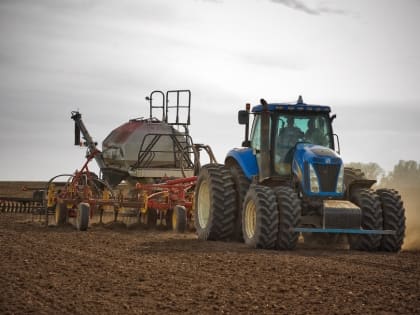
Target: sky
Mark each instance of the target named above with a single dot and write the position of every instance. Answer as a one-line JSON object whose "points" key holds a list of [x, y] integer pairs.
{"points": [[103, 58]]}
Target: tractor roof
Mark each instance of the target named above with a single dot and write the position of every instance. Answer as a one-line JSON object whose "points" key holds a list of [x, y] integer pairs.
{"points": [[299, 106]]}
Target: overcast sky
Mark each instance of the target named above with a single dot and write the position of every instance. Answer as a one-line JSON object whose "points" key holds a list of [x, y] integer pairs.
{"points": [[103, 57]]}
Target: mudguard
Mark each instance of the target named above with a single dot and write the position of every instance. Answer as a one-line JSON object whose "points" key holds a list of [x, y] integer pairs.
{"points": [[245, 159]]}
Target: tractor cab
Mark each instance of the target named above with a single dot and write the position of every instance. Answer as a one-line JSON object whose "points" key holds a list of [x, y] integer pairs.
{"points": [[290, 128], [293, 143]]}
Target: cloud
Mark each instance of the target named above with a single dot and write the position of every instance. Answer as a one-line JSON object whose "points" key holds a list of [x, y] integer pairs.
{"points": [[300, 6]]}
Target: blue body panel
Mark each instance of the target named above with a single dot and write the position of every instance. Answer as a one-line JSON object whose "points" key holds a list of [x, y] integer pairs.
{"points": [[246, 160], [344, 231], [306, 153]]}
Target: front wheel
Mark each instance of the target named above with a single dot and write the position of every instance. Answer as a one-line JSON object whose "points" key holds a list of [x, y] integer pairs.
{"points": [[394, 219], [260, 218], [289, 216], [369, 203]]}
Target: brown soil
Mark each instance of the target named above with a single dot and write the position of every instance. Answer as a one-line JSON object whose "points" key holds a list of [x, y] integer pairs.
{"points": [[50, 270], [114, 270]]}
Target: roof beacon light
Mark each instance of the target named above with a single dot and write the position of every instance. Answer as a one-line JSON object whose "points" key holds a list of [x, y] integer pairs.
{"points": [[300, 100], [248, 107]]}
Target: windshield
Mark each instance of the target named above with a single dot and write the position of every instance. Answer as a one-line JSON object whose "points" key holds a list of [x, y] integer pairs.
{"points": [[292, 128]]}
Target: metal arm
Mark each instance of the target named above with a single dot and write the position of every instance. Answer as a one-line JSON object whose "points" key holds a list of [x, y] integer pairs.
{"points": [[79, 127]]}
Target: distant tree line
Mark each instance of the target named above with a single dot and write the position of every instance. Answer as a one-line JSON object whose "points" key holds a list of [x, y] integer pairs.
{"points": [[404, 174]]}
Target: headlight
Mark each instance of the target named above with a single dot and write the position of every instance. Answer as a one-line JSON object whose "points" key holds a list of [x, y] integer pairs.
{"points": [[313, 180], [340, 180]]}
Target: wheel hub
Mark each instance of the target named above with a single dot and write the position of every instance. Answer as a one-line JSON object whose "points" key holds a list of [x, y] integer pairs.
{"points": [[203, 204], [250, 219]]}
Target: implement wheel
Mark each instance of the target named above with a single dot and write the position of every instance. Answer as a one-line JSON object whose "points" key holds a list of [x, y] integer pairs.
{"points": [[168, 219], [82, 216], [260, 218], [289, 209], [60, 213], [151, 218], [179, 219], [393, 213], [369, 203], [214, 213]]}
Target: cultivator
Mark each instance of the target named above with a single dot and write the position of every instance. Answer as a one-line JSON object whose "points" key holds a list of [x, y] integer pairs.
{"points": [[170, 201], [20, 205], [148, 169], [85, 197], [42, 199]]}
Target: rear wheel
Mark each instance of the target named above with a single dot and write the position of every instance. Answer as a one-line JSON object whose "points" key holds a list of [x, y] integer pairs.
{"points": [[82, 216], [214, 200], [260, 218], [393, 213], [179, 219], [60, 213], [241, 187], [289, 209], [369, 203]]}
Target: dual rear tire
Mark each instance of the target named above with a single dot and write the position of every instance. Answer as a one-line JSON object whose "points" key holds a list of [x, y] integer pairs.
{"points": [[370, 205], [269, 217], [393, 214], [260, 218], [382, 209]]}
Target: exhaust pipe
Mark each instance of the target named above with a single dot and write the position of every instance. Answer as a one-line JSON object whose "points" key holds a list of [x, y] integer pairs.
{"points": [[265, 142]]}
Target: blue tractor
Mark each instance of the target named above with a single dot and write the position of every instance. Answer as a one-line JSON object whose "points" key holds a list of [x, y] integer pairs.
{"points": [[288, 179]]}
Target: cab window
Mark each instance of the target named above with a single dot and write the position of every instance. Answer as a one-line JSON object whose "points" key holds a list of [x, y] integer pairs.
{"points": [[291, 129], [256, 138], [256, 134]]}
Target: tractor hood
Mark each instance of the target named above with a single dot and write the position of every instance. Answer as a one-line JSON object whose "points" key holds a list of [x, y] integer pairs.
{"points": [[319, 170], [313, 153]]}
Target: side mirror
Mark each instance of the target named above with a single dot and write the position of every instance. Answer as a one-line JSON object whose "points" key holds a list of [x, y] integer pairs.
{"points": [[333, 117], [243, 117], [246, 143]]}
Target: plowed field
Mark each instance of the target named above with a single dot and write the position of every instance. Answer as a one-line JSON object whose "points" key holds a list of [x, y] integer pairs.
{"points": [[114, 270]]}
